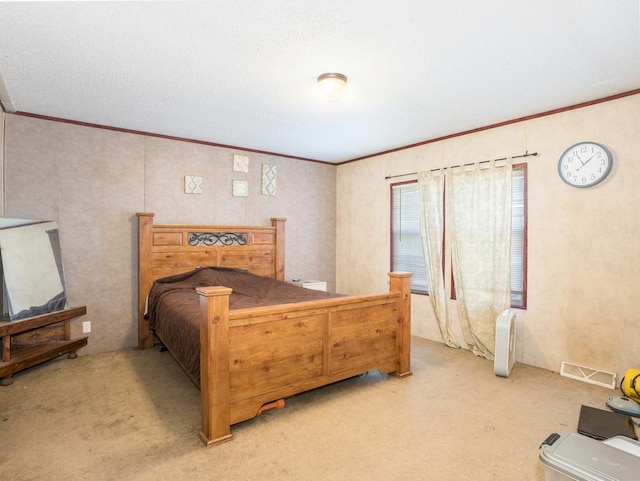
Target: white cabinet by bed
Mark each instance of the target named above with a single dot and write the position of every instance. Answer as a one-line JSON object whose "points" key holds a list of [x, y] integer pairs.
{"points": [[315, 285]]}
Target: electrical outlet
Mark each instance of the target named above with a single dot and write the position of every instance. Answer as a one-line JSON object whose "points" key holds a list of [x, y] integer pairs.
{"points": [[86, 327]]}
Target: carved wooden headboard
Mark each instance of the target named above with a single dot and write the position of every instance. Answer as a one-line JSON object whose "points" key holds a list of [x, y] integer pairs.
{"points": [[169, 249]]}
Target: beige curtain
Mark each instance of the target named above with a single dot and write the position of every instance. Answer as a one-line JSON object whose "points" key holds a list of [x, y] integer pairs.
{"points": [[431, 185], [479, 208]]}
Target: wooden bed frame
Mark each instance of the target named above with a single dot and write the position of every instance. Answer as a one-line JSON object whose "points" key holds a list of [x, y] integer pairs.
{"points": [[250, 358]]}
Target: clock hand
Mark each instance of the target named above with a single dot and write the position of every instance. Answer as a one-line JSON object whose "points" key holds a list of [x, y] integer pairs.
{"points": [[585, 163], [579, 159]]}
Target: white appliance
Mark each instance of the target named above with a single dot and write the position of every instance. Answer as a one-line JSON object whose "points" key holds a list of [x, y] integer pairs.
{"points": [[505, 348]]}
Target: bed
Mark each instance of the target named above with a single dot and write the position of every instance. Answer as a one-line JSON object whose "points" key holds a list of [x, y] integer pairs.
{"points": [[255, 356]]}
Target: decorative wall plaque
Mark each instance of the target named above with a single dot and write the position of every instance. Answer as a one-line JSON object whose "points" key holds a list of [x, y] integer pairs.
{"points": [[268, 179], [192, 184], [240, 188], [240, 163]]}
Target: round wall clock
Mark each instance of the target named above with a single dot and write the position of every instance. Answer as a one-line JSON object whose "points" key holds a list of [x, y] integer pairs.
{"points": [[585, 164]]}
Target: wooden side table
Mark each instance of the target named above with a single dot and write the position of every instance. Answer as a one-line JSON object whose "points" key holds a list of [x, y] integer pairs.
{"points": [[34, 340]]}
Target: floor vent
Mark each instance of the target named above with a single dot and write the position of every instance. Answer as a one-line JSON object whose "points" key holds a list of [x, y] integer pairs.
{"points": [[588, 374]]}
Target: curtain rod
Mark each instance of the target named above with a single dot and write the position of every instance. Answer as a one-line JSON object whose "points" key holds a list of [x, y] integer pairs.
{"points": [[526, 154]]}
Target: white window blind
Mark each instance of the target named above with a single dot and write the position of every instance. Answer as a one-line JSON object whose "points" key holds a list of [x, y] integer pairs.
{"points": [[518, 211], [406, 245]]}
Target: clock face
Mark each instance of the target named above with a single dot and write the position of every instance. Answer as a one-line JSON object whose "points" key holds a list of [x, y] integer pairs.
{"points": [[585, 164]]}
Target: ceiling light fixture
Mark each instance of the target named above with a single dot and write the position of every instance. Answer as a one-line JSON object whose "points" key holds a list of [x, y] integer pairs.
{"points": [[332, 84]]}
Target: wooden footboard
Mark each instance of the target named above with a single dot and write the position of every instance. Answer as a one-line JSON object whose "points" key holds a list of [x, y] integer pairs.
{"points": [[250, 357]]}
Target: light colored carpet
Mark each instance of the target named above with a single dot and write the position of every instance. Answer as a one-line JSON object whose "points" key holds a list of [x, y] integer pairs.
{"points": [[133, 415]]}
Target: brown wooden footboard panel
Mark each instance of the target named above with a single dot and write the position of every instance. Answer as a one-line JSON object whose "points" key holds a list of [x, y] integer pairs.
{"points": [[267, 357], [363, 336]]}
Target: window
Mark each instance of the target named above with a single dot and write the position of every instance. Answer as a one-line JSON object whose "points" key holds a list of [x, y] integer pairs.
{"points": [[406, 245]]}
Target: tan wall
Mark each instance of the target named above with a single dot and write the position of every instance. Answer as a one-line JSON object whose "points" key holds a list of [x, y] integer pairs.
{"points": [[93, 181], [584, 249], [2, 116]]}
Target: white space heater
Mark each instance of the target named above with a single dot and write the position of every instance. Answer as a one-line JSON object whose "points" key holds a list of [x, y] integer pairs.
{"points": [[505, 347]]}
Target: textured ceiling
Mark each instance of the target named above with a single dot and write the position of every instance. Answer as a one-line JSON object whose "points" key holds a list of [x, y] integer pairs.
{"points": [[242, 73]]}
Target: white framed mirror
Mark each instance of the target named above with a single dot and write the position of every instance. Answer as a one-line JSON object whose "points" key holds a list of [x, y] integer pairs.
{"points": [[32, 271]]}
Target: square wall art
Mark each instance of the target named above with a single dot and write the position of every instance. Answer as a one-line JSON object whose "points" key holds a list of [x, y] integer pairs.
{"points": [[240, 163], [240, 188], [192, 184]]}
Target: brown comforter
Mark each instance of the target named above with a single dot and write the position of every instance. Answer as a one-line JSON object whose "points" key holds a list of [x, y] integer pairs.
{"points": [[174, 306]]}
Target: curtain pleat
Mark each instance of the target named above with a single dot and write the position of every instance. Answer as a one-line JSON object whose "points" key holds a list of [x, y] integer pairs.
{"points": [[431, 187]]}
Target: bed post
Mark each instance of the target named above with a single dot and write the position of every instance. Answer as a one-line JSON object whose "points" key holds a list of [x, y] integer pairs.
{"points": [[401, 282], [278, 223], [145, 241], [215, 394]]}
